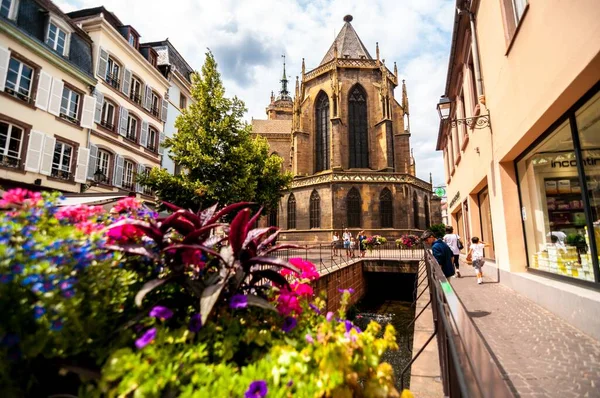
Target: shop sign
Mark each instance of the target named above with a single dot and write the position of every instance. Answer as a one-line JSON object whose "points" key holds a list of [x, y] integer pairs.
{"points": [[440, 192], [455, 199]]}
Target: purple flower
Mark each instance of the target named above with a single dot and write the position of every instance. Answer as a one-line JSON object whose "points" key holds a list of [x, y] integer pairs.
{"points": [[30, 279], [349, 290], [68, 293], [17, 268], [315, 308], [57, 325], [146, 338], [257, 389], [357, 329], [348, 325], [38, 311], [161, 312], [290, 383], [65, 285], [195, 323], [329, 316], [238, 301], [6, 278], [289, 324], [309, 339]]}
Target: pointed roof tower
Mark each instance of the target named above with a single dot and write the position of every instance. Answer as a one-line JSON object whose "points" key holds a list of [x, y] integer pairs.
{"points": [[348, 44]]}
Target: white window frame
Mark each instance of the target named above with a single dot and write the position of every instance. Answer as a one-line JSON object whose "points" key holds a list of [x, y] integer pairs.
{"points": [[20, 76], [62, 156], [69, 100], [155, 96], [4, 151], [131, 39], [54, 20], [128, 173], [103, 162], [151, 144], [13, 9], [516, 9], [105, 111], [111, 64], [135, 82], [129, 119]]}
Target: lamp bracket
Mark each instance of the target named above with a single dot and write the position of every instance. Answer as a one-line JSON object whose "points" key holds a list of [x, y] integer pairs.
{"points": [[475, 122]]}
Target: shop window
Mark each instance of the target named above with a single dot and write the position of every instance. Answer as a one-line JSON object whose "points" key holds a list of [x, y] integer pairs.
{"points": [[553, 208], [485, 219]]}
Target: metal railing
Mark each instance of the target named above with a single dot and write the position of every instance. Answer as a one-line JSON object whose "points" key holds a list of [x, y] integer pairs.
{"points": [[468, 368]]}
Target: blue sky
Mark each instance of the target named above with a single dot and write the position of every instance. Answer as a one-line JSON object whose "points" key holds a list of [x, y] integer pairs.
{"points": [[249, 36]]}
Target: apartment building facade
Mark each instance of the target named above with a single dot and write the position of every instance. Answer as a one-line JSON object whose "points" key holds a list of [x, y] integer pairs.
{"points": [[46, 106], [179, 73], [131, 106], [520, 134]]}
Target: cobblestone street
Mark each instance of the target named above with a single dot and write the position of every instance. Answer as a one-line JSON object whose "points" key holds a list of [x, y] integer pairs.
{"points": [[542, 355]]}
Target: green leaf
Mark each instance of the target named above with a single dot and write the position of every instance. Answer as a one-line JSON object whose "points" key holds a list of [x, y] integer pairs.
{"points": [[210, 295]]}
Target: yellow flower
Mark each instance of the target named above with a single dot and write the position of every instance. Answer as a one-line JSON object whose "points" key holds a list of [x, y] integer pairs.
{"points": [[407, 394]]}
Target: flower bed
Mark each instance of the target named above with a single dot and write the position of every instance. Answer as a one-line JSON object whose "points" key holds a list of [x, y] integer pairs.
{"points": [[407, 242], [134, 305]]}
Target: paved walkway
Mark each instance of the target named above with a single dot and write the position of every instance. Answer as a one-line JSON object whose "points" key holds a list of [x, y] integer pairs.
{"points": [[542, 355]]}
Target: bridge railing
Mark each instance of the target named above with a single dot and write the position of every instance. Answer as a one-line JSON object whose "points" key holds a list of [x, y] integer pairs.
{"points": [[468, 367]]}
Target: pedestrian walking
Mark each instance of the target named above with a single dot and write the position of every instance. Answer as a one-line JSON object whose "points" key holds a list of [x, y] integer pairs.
{"points": [[441, 252], [476, 256], [453, 241], [362, 243], [335, 240], [346, 237], [352, 246]]}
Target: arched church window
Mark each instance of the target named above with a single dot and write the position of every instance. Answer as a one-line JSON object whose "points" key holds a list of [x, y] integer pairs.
{"points": [[315, 210], [322, 136], [386, 209], [291, 212], [426, 208], [358, 128], [416, 210], [353, 208], [273, 213]]}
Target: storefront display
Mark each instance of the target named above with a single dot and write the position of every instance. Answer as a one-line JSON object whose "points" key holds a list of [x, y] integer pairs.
{"points": [[559, 182]]}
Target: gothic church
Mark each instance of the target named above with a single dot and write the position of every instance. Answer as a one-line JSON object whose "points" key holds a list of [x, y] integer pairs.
{"points": [[346, 139]]}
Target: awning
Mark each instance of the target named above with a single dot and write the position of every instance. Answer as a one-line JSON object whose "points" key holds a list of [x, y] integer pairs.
{"points": [[90, 200]]}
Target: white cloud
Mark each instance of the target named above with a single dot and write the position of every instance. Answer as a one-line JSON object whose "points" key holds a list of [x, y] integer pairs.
{"points": [[248, 37]]}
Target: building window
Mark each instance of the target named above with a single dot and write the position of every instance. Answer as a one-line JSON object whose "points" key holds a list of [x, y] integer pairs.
{"points": [[19, 79], [182, 101], [519, 9], [273, 217], [112, 75], [358, 128], [315, 210], [416, 211], [132, 124], [128, 175], [57, 38], [11, 138], [152, 136], [291, 212], [559, 181], [322, 136], [61, 161], [108, 115], [146, 190], [353, 208], [386, 209], [512, 12], [131, 40], [426, 211], [136, 90], [155, 105], [103, 164], [69, 108], [8, 8], [152, 59]]}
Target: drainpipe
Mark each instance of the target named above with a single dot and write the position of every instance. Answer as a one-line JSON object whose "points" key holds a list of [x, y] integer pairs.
{"points": [[475, 51]]}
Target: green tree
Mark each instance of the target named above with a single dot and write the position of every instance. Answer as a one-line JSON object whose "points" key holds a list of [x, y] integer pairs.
{"points": [[221, 160]]}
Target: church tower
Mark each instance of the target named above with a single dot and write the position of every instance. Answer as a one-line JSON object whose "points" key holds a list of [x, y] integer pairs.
{"points": [[349, 148]]}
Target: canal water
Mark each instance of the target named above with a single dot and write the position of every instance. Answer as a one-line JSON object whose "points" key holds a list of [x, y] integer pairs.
{"points": [[388, 300]]}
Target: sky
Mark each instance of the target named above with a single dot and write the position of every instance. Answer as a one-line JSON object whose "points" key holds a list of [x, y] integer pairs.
{"points": [[248, 38]]}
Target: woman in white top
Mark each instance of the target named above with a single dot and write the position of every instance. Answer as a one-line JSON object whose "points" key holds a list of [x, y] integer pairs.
{"points": [[334, 243], [476, 252], [451, 239]]}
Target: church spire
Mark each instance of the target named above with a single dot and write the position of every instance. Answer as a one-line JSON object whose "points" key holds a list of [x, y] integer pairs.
{"points": [[284, 94]]}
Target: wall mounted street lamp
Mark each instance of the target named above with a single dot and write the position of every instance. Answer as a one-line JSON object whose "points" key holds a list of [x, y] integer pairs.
{"points": [[98, 178], [475, 122]]}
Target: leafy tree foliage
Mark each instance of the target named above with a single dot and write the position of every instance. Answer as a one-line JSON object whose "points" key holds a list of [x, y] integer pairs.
{"points": [[220, 159]]}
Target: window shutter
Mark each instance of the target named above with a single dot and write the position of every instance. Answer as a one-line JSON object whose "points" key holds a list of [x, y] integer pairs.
{"points": [[43, 91], [47, 155], [165, 108], [56, 96], [102, 63], [99, 104], [81, 171], [87, 114], [123, 116], [140, 171], [161, 149], [34, 151], [126, 82], [93, 159], [4, 60], [118, 171], [144, 134], [148, 104]]}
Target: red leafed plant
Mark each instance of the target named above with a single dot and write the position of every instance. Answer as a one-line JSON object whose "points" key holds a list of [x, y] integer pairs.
{"points": [[207, 258]]}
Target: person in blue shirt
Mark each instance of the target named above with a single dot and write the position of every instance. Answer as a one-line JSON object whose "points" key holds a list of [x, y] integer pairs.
{"points": [[441, 251]]}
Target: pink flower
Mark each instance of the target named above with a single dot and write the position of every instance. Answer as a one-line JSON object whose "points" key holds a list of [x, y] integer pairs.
{"points": [[302, 289], [193, 258], [127, 204], [308, 269], [78, 213], [287, 302], [124, 234], [19, 196]]}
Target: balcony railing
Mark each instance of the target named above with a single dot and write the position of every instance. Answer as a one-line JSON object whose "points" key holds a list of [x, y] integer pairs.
{"points": [[128, 185], [69, 118], [135, 97], [155, 111], [9, 161], [61, 174], [131, 136], [18, 94], [113, 81], [151, 147], [107, 125]]}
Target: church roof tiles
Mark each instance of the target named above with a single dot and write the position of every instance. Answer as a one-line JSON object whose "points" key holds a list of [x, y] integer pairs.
{"points": [[348, 44]]}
